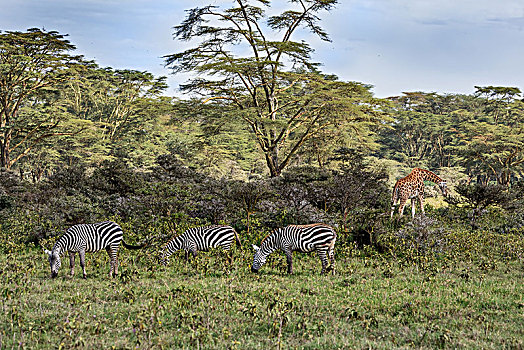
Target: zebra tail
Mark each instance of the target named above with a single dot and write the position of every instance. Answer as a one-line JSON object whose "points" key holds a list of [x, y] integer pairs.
{"points": [[237, 239], [133, 247]]}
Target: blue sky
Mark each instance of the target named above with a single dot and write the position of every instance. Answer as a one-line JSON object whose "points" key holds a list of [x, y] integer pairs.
{"points": [[444, 46]]}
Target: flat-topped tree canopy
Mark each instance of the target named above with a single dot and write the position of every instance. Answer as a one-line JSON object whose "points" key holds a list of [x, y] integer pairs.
{"points": [[250, 60], [30, 63]]}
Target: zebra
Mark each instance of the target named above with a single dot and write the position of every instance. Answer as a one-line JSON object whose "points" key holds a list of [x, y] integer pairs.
{"points": [[201, 238], [302, 238], [84, 238]]}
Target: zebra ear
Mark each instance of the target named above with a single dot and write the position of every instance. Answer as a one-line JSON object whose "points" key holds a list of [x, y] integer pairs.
{"points": [[256, 248]]}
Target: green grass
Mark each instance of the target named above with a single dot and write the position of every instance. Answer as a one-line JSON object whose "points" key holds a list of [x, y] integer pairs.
{"points": [[371, 302]]}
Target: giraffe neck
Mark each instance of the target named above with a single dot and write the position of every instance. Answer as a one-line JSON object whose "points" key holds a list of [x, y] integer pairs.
{"points": [[429, 176]]}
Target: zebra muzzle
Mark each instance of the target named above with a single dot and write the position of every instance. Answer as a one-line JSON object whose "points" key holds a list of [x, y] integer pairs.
{"points": [[254, 270]]}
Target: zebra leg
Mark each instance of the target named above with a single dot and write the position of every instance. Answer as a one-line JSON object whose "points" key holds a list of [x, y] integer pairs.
{"points": [[72, 263], [323, 258], [82, 255], [193, 249], [289, 258], [226, 248], [229, 256], [115, 265], [112, 258], [331, 255], [189, 252]]}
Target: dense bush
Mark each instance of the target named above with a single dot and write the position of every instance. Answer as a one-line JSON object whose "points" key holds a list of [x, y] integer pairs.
{"points": [[154, 205]]}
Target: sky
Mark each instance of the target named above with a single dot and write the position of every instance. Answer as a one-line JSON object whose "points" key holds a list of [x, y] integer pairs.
{"points": [[442, 46]]}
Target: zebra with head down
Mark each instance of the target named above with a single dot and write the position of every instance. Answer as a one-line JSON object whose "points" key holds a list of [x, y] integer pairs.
{"points": [[201, 238], [88, 238], [301, 238]]}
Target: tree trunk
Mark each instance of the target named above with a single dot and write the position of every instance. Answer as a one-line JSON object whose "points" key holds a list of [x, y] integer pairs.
{"points": [[272, 162], [4, 150], [503, 178]]}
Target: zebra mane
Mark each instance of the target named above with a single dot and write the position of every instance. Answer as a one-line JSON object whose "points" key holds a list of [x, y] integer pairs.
{"points": [[263, 240], [309, 225], [60, 245]]}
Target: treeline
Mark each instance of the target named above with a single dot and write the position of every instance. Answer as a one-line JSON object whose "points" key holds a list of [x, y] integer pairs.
{"points": [[480, 134], [63, 110]]}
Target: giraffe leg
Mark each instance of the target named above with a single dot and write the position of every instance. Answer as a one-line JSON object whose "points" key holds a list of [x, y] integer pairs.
{"points": [[323, 258], [412, 208], [72, 263], [401, 206], [289, 259], [82, 255], [392, 210], [421, 203]]}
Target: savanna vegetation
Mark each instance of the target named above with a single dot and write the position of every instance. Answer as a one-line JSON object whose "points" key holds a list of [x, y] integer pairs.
{"points": [[262, 139]]}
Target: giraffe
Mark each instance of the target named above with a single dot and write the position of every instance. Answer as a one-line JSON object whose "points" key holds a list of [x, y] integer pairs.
{"points": [[412, 186]]}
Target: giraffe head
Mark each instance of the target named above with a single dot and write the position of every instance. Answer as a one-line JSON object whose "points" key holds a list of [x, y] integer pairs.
{"points": [[54, 261], [443, 187]]}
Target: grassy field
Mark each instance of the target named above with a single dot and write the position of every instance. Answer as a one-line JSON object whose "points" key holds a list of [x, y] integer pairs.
{"points": [[371, 302]]}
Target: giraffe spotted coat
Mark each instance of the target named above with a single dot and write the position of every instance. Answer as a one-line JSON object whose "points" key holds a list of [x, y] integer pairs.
{"points": [[412, 187]]}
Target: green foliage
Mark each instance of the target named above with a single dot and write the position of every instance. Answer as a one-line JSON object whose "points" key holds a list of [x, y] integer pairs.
{"points": [[481, 132], [93, 144], [275, 90], [371, 301], [33, 65]]}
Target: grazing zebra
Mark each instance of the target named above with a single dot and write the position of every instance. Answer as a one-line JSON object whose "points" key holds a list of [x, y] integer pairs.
{"points": [[201, 238], [88, 238], [302, 238]]}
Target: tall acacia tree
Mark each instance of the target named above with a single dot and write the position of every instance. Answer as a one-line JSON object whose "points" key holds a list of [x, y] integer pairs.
{"points": [[31, 63], [116, 99], [248, 59], [492, 144]]}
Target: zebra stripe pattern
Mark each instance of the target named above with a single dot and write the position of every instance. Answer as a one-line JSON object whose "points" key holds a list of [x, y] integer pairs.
{"points": [[201, 238], [301, 238], [87, 238]]}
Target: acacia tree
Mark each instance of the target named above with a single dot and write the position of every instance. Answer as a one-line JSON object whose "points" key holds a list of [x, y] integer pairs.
{"points": [[118, 100], [425, 126], [248, 59], [31, 63], [492, 143]]}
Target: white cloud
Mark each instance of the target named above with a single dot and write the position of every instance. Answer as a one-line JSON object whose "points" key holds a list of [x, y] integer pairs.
{"points": [[397, 45]]}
